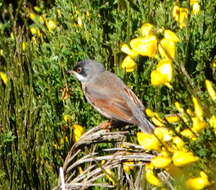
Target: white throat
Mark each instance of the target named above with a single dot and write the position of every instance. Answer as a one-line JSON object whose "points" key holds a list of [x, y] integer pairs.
{"points": [[80, 77]]}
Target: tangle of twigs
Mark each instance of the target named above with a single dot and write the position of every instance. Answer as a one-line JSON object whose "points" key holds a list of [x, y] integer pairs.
{"points": [[88, 162]]}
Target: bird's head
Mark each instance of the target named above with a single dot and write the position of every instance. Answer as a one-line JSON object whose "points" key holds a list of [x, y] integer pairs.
{"points": [[86, 70]]}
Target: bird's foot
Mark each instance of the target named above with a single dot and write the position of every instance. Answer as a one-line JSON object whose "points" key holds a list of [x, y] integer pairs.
{"points": [[106, 124]]}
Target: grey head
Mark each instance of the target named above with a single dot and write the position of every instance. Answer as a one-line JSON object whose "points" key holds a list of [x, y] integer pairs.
{"points": [[87, 70]]}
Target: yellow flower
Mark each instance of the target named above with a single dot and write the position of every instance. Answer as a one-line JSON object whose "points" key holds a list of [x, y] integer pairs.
{"points": [[193, 2], [163, 73], [80, 170], [197, 108], [198, 124], [198, 183], [181, 158], [35, 31], [145, 46], [148, 141], [67, 118], [210, 89], [128, 166], [169, 35], [163, 134], [152, 179], [51, 25], [78, 131], [79, 22], [128, 64], [161, 161], [150, 113], [1, 52], [167, 48], [125, 48], [212, 121], [178, 142], [172, 118], [158, 121], [4, 78], [190, 112], [180, 15], [24, 46], [32, 16], [188, 133], [195, 8], [147, 29], [179, 107]]}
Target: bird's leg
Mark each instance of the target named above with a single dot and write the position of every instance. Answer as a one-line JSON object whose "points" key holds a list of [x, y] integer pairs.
{"points": [[106, 124]]}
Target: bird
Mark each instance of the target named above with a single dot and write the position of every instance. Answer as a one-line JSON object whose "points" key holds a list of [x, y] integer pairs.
{"points": [[108, 94]]}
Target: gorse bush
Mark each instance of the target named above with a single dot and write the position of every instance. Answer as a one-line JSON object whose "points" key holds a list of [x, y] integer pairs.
{"points": [[163, 50]]}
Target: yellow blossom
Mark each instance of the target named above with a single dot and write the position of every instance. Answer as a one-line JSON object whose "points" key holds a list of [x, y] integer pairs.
{"points": [[128, 64], [190, 112], [181, 158], [152, 179], [179, 107], [195, 8], [35, 31], [145, 46], [167, 48], [128, 166], [210, 89], [79, 22], [212, 121], [198, 124], [157, 121], [172, 118], [4, 78], [178, 142], [67, 118], [161, 161], [169, 35], [163, 73], [80, 170], [24, 46], [126, 49], [78, 131], [32, 16], [180, 15], [1, 52], [163, 134], [148, 141], [149, 112], [51, 25], [147, 29], [197, 108], [198, 183], [188, 133], [165, 67]]}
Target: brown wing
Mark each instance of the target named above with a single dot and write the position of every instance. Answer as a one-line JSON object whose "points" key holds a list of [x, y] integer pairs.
{"points": [[106, 97]]}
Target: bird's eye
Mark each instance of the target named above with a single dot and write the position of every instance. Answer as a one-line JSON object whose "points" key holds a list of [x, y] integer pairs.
{"points": [[79, 69]]}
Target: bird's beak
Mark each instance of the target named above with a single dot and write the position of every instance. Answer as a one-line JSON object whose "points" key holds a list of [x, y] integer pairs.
{"points": [[71, 72]]}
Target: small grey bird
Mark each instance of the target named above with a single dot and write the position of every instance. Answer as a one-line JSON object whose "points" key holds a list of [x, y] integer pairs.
{"points": [[110, 96]]}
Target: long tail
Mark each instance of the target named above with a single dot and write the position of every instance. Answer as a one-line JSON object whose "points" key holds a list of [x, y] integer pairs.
{"points": [[146, 126]]}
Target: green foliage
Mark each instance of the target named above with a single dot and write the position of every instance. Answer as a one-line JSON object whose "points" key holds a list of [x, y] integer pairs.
{"points": [[33, 143]]}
